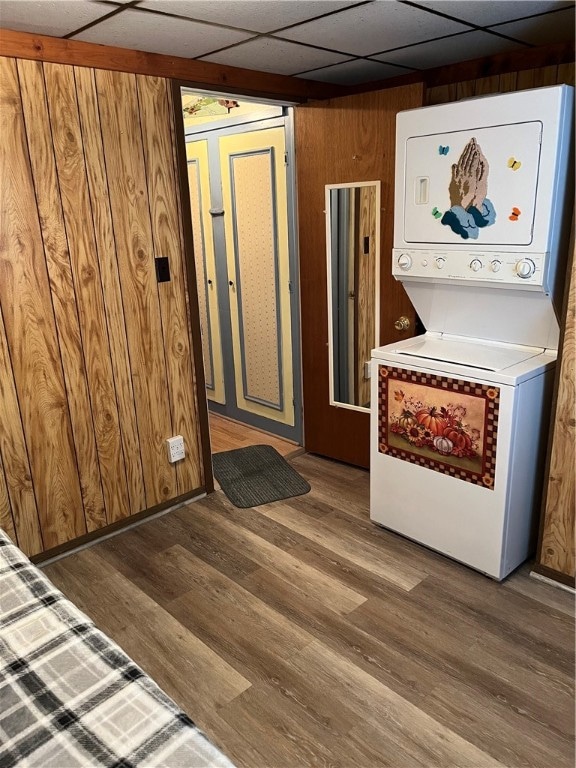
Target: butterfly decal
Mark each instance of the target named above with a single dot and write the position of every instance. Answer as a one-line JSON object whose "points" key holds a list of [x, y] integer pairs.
{"points": [[436, 213], [514, 164], [443, 150], [515, 213]]}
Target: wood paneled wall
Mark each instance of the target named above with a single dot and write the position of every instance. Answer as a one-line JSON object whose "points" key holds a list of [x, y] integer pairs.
{"points": [[345, 140], [556, 556], [509, 81], [96, 366]]}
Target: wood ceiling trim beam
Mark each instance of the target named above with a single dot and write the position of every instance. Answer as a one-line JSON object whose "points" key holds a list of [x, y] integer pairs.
{"points": [[199, 74]]}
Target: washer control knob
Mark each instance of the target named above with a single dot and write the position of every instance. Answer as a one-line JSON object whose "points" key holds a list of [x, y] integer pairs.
{"points": [[404, 261], [525, 268], [475, 265], [440, 261], [496, 265]]}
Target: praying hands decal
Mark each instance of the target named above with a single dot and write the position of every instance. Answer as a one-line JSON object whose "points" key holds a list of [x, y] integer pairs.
{"points": [[471, 210]]}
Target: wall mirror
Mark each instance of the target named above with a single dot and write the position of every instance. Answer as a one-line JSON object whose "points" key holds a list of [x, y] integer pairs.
{"points": [[353, 254]]}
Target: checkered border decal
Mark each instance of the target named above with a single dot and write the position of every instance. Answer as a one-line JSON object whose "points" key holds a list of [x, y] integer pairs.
{"points": [[490, 394]]}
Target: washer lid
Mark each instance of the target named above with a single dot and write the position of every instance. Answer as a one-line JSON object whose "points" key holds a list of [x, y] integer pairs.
{"points": [[472, 354]]}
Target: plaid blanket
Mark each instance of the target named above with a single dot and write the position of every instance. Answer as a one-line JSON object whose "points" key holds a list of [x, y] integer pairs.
{"points": [[70, 697]]}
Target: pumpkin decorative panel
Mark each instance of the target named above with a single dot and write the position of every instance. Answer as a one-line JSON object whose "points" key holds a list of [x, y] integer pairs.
{"points": [[443, 424]]}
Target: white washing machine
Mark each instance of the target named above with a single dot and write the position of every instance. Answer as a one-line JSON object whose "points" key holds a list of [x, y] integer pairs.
{"points": [[459, 416]]}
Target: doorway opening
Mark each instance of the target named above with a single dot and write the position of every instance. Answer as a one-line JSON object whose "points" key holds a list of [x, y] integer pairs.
{"points": [[240, 172]]}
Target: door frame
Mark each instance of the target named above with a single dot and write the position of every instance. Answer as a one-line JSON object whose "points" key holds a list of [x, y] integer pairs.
{"points": [[232, 126]]}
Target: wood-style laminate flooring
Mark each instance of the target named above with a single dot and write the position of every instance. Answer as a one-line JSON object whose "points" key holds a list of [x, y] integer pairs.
{"points": [[226, 435], [300, 634]]}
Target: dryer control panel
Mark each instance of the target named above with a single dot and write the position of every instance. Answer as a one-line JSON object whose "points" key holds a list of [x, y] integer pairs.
{"points": [[497, 268]]}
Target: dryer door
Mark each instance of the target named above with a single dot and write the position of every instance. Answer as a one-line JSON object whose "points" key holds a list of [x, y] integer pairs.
{"points": [[477, 185]]}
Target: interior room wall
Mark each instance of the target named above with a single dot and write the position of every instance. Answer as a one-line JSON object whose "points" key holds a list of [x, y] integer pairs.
{"points": [[96, 357], [38, 440]]}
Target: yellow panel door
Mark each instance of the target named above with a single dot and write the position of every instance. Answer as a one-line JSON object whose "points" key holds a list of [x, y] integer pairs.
{"points": [[254, 193], [204, 258]]}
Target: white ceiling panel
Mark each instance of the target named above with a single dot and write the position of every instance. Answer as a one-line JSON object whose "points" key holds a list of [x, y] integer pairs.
{"points": [[354, 72], [552, 28], [257, 15], [161, 34], [437, 53], [50, 17], [374, 28], [270, 55], [487, 12]]}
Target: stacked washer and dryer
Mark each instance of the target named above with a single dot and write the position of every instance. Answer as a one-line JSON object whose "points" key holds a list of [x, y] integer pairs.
{"points": [[460, 415]]}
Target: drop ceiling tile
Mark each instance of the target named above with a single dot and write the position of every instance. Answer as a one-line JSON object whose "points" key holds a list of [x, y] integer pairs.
{"points": [[450, 50], [373, 28], [487, 12], [161, 34], [354, 72], [256, 15], [268, 54], [49, 17], [541, 30]]}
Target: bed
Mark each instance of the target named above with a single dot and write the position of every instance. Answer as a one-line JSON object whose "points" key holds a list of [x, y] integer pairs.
{"points": [[70, 697]]}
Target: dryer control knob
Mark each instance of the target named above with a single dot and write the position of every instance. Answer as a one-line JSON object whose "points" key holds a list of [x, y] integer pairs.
{"points": [[404, 261], [440, 261], [496, 265], [525, 268], [476, 265]]}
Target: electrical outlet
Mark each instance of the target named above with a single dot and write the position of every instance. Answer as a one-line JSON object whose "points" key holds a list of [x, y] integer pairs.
{"points": [[176, 450]]}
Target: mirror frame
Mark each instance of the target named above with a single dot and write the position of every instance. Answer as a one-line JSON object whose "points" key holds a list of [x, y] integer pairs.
{"points": [[328, 188]]}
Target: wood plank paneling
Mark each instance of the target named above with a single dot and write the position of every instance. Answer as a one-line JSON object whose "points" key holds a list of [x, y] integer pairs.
{"points": [[100, 203], [545, 76], [69, 153], [556, 551], [566, 73], [180, 161], [156, 118], [57, 256], [6, 519], [507, 82], [537, 77], [122, 139], [96, 367], [365, 277], [15, 457], [487, 85], [31, 332]]}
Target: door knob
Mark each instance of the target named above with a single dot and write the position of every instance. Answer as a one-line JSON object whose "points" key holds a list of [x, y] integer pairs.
{"points": [[402, 324]]}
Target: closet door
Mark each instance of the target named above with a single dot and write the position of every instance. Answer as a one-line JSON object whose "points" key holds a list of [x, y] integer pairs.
{"points": [[256, 227], [204, 259], [347, 140]]}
